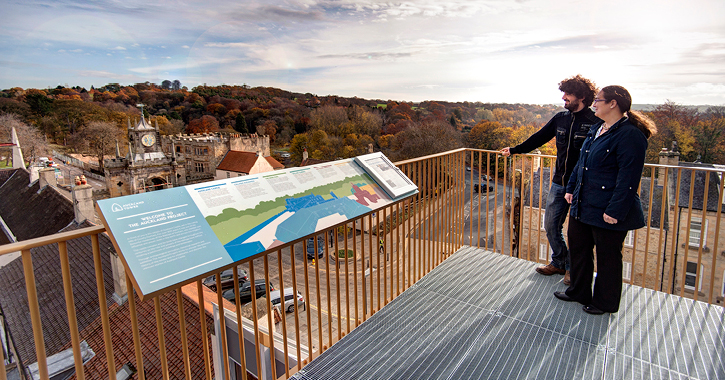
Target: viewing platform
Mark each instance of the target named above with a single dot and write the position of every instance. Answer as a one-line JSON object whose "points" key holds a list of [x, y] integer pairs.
{"points": [[482, 315]]}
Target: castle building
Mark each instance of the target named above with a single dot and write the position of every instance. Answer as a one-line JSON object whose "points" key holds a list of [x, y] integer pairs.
{"points": [[146, 167], [204, 152]]}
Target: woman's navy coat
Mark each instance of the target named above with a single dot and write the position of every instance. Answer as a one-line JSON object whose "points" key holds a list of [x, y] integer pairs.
{"points": [[606, 177]]}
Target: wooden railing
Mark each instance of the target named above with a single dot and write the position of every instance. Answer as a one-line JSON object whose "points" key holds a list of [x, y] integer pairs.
{"points": [[391, 250]]}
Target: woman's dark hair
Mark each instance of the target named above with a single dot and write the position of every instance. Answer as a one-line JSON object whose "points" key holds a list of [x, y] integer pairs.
{"points": [[624, 102], [580, 87]]}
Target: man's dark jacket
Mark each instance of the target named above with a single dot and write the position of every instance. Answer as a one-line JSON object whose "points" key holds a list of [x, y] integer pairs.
{"points": [[570, 130], [606, 178]]}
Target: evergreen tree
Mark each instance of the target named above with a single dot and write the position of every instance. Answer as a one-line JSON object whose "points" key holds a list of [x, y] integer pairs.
{"points": [[241, 124]]}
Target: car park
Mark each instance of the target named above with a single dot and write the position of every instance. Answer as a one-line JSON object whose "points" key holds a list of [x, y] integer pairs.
{"points": [[289, 299], [310, 247], [245, 291], [226, 278]]}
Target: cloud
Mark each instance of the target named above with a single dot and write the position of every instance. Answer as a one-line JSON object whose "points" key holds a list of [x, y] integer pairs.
{"points": [[118, 48], [366, 56]]}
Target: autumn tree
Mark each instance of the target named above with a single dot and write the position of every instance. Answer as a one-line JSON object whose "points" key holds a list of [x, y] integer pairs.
{"points": [[488, 135], [204, 124], [428, 137], [98, 138], [329, 119], [709, 136]]}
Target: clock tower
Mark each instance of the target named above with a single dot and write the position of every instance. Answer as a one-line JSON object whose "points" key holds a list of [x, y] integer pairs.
{"points": [[145, 167]]}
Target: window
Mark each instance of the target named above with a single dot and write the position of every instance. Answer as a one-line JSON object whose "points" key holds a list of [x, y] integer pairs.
{"points": [[544, 252], [200, 167], [629, 239], [229, 174], [201, 151], [723, 284], [188, 150], [698, 232], [626, 270], [178, 149], [691, 276]]}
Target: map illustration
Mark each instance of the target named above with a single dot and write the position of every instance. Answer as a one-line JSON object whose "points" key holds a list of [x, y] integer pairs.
{"points": [[174, 235]]}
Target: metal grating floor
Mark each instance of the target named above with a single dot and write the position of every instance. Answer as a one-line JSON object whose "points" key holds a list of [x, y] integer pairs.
{"points": [[482, 315]]}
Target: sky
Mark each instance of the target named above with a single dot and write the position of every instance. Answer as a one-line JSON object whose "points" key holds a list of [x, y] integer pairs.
{"points": [[512, 51]]}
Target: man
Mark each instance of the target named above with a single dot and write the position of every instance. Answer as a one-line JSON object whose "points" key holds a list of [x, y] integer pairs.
{"points": [[570, 128]]}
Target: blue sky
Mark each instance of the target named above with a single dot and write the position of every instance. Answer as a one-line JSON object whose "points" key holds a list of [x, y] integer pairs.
{"points": [[454, 50]]}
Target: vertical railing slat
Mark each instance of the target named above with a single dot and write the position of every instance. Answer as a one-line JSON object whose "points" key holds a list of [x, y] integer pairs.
{"points": [[71, 310], [35, 313], [104, 307]]}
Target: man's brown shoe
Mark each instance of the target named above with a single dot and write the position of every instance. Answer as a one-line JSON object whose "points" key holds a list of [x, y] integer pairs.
{"points": [[567, 279], [548, 270]]}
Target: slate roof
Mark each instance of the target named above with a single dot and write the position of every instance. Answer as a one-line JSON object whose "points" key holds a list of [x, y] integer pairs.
{"points": [[533, 195], [51, 299], [28, 212], [123, 345], [644, 196], [699, 188]]}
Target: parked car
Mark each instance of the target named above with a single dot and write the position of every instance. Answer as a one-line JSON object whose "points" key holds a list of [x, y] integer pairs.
{"points": [[245, 291], [285, 155], [311, 247], [227, 279], [482, 188], [289, 299]]}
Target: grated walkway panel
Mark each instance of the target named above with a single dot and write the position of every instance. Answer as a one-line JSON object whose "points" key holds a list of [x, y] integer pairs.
{"points": [[482, 315]]}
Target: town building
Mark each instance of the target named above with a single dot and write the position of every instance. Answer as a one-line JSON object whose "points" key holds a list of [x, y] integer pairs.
{"points": [[146, 167], [202, 153], [237, 164]]}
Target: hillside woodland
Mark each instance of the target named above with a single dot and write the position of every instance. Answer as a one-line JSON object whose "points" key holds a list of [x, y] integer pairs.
{"points": [[328, 127]]}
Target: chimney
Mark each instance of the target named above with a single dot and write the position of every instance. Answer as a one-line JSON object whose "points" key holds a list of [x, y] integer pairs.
{"points": [[370, 148], [82, 201], [304, 155], [536, 165], [120, 289], [667, 157], [47, 177]]}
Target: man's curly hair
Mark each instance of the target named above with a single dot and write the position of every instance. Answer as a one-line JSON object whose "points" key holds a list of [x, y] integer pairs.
{"points": [[580, 87]]}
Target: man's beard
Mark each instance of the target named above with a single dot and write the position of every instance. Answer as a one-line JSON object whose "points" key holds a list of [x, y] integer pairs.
{"points": [[573, 105]]}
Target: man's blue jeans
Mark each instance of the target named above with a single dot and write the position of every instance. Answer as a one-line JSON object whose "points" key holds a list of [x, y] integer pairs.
{"points": [[556, 210]]}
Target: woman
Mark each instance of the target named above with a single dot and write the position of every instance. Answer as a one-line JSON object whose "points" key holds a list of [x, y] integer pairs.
{"points": [[602, 192]]}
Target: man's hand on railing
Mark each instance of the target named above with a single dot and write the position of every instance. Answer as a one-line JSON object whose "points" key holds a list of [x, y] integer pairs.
{"points": [[505, 151], [568, 197]]}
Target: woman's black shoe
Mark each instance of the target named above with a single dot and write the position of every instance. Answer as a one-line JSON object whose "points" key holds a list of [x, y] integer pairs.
{"points": [[592, 310], [563, 296]]}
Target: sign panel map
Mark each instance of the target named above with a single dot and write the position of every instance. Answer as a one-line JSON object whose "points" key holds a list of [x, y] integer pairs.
{"points": [[168, 236]]}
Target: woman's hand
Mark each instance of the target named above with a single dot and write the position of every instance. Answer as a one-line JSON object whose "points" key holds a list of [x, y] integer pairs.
{"points": [[569, 197], [609, 219]]}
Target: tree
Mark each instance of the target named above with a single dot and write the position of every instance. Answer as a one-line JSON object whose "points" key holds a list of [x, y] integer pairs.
{"points": [[489, 135], [99, 139], [240, 124], [176, 85], [32, 142], [204, 124], [166, 84], [329, 119], [709, 140], [429, 137]]}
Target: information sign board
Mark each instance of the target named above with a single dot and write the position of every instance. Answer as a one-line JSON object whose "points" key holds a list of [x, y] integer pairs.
{"points": [[170, 236]]}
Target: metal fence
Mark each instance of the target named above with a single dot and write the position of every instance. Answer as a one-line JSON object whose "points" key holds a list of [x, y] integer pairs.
{"points": [[368, 261]]}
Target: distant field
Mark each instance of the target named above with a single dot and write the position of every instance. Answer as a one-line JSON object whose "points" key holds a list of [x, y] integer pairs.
{"points": [[382, 105]]}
